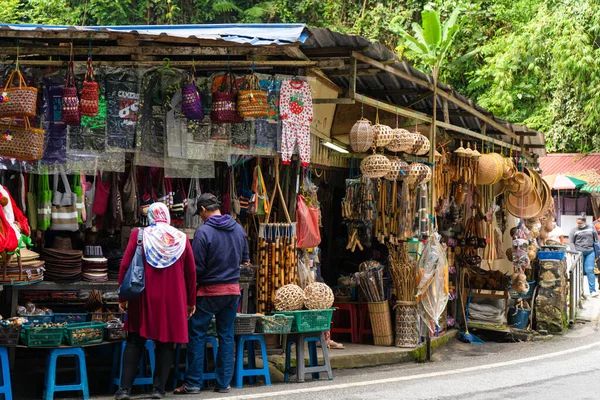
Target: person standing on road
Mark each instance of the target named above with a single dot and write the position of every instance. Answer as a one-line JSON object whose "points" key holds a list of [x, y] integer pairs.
{"points": [[162, 310], [582, 238], [220, 247]]}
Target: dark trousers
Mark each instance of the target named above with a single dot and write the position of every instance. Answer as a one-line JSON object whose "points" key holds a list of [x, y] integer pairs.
{"points": [[224, 308], [132, 355]]}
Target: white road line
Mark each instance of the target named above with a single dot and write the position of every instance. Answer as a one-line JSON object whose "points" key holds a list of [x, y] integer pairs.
{"points": [[411, 377]]}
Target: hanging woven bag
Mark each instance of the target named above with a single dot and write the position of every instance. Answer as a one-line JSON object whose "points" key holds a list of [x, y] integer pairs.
{"points": [[252, 102], [89, 93], [223, 102], [18, 101], [21, 142], [191, 106], [71, 114]]}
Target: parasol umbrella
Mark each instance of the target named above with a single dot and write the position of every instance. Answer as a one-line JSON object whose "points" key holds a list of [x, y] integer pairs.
{"points": [[564, 182]]}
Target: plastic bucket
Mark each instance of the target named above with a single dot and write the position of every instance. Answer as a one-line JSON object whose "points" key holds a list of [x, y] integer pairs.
{"points": [[518, 318]]}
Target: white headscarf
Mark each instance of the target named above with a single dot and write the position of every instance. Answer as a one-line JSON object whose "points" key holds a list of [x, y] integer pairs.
{"points": [[163, 244]]}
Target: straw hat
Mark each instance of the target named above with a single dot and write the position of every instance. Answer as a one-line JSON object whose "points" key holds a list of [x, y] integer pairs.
{"points": [[520, 184], [527, 205], [509, 168], [489, 169]]}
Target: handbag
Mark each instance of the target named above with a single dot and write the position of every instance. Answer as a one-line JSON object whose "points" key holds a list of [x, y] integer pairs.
{"points": [[90, 195], [101, 196], [70, 102], [259, 202], [179, 205], [236, 207], [130, 198], [20, 101], [23, 143], [307, 224], [89, 92], [223, 102], [191, 105], [252, 102], [44, 198], [79, 202], [245, 195], [134, 280], [192, 220], [64, 207], [32, 207]]}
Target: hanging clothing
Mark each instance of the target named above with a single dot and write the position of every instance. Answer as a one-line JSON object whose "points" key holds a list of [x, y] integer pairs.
{"points": [[163, 244], [296, 112]]}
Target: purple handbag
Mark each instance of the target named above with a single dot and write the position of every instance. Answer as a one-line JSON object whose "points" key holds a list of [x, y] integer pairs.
{"points": [[191, 106]]}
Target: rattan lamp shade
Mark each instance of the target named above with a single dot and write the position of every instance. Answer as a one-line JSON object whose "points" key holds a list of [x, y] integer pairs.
{"points": [[399, 171], [383, 135], [401, 141], [289, 298], [419, 174], [425, 147], [375, 166], [318, 296], [362, 136]]}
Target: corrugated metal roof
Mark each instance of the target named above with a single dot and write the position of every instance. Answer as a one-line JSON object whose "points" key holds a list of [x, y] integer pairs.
{"points": [[569, 163], [254, 34], [391, 88]]}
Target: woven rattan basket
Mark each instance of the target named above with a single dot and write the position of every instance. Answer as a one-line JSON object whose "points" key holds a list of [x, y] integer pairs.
{"points": [[375, 166], [407, 333], [383, 135], [399, 142], [381, 323], [399, 171], [289, 298], [318, 296], [425, 147], [417, 143], [362, 136], [419, 174], [489, 169]]}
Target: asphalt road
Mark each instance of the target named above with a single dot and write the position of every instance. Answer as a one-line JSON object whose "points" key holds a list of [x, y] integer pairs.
{"points": [[564, 367]]}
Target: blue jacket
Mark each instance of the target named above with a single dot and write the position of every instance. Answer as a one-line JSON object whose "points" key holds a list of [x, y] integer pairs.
{"points": [[220, 247]]}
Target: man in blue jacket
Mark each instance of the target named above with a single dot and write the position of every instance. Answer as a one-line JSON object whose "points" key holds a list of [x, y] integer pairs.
{"points": [[220, 247]]}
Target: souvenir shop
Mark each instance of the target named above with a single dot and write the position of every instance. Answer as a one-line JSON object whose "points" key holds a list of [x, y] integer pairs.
{"points": [[406, 233]]}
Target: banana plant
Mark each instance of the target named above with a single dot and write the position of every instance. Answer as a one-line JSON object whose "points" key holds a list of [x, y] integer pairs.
{"points": [[429, 44]]}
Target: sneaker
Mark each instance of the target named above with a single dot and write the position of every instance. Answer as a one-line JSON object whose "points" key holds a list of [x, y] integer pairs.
{"points": [[158, 394], [223, 390], [123, 394], [595, 294]]}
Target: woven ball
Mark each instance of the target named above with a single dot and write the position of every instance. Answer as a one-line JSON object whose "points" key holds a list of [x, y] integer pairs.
{"points": [[362, 136], [289, 298], [425, 147], [400, 170], [419, 174], [383, 135], [375, 166], [318, 296]]}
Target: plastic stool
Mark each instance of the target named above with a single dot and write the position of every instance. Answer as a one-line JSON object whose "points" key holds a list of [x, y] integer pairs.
{"points": [[81, 383], [5, 389], [314, 368], [206, 376], [352, 309], [246, 342], [364, 318], [144, 378]]}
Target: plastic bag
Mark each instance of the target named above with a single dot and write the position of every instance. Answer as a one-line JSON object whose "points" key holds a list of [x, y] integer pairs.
{"points": [[307, 225], [432, 292]]}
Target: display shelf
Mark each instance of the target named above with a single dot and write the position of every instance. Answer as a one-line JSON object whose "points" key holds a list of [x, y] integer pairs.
{"points": [[47, 285]]}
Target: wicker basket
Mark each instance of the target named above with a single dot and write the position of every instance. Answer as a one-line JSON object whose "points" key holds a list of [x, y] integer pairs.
{"points": [[381, 323], [489, 169], [289, 298], [362, 136], [23, 143], [419, 174], [400, 170], [426, 146], [318, 296], [417, 142], [383, 135], [407, 333], [398, 144], [252, 103], [375, 166]]}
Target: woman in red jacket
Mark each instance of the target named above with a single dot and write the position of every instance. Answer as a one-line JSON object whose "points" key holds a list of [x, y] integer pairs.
{"points": [[168, 300]]}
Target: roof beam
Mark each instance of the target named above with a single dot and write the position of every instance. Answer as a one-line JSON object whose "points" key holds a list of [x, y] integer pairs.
{"points": [[188, 63], [441, 93]]}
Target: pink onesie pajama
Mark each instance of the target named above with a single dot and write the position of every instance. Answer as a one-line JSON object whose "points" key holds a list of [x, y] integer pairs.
{"points": [[296, 113]]}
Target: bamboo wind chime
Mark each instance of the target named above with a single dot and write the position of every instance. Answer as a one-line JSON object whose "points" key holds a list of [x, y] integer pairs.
{"points": [[277, 257], [403, 272]]}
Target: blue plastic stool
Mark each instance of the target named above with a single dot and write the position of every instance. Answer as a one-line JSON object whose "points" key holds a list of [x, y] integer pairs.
{"points": [[5, 389], [81, 383], [246, 342], [179, 376], [311, 338], [145, 376]]}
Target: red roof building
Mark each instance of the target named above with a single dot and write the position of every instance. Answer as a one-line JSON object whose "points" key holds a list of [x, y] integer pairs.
{"points": [[569, 163]]}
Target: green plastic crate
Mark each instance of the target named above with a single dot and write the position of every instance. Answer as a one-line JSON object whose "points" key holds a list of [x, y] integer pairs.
{"points": [[276, 324], [84, 333], [310, 320], [41, 337]]}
